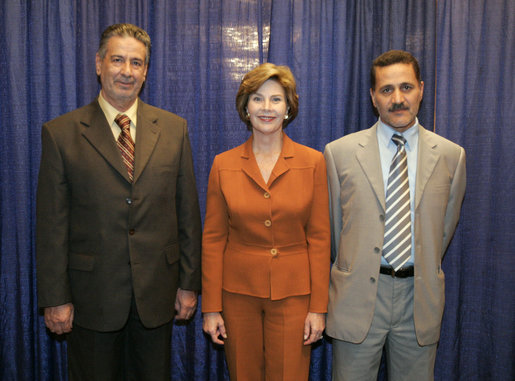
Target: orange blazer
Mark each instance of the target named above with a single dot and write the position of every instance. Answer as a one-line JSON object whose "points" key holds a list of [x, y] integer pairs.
{"points": [[267, 240]]}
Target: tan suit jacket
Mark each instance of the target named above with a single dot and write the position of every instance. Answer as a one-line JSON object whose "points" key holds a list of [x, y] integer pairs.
{"points": [[357, 199], [100, 238], [267, 240]]}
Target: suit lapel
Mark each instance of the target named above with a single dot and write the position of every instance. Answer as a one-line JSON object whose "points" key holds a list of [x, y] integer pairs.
{"points": [[146, 139], [370, 162], [251, 169], [249, 165], [426, 162], [281, 166], [98, 132]]}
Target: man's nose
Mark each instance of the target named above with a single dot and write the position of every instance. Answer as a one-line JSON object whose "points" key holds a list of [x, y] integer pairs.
{"points": [[126, 68], [397, 97]]}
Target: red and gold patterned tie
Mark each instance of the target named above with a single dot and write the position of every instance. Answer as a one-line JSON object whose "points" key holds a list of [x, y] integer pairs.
{"points": [[125, 143]]}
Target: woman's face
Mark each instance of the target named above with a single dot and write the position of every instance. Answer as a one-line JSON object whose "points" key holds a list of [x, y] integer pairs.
{"points": [[267, 108]]}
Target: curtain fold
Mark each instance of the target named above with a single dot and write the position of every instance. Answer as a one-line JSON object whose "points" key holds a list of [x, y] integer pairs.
{"points": [[475, 107], [201, 50]]}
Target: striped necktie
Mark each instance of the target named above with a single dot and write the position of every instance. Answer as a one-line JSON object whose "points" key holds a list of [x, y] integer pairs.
{"points": [[125, 143], [397, 236]]}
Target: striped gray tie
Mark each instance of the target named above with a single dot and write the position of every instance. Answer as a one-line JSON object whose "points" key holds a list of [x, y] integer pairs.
{"points": [[397, 230]]}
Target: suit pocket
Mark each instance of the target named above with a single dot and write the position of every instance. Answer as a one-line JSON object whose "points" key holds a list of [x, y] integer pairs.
{"points": [[440, 188], [84, 262], [342, 263], [172, 253]]}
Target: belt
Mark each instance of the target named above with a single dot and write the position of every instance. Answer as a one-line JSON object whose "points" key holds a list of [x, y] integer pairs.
{"points": [[404, 272]]}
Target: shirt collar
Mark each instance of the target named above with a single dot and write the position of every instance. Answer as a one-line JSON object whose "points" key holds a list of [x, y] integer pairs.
{"points": [[111, 112], [385, 133]]}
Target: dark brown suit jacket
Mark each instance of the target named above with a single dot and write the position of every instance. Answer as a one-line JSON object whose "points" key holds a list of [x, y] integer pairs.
{"points": [[100, 238]]}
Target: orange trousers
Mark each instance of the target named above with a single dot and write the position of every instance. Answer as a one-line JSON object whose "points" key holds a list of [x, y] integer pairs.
{"points": [[265, 338]]}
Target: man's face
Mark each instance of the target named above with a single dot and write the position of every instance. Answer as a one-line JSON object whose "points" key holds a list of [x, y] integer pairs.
{"points": [[122, 71], [397, 95]]}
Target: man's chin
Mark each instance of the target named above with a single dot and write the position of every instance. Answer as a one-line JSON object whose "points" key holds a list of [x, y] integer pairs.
{"points": [[400, 124], [126, 95], [124, 89]]}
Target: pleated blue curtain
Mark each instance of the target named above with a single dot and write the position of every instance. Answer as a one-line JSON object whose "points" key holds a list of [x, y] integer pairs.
{"points": [[201, 50], [475, 106], [330, 46]]}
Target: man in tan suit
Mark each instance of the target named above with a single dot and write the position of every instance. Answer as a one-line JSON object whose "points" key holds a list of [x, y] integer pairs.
{"points": [[391, 225], [118, 239]]}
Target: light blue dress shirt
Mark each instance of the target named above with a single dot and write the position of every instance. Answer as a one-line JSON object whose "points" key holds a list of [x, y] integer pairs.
{"points": [[387, 150]]}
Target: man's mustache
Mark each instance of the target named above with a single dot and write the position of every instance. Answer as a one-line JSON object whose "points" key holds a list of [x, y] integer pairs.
{"points": [[398, 107]]}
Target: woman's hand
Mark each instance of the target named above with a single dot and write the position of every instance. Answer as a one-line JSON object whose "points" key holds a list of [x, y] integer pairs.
{"points": [[214, 326], [313, 327]]}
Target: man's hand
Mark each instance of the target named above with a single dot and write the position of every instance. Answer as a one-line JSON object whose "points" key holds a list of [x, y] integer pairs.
{"points": [[185, 304], [313, 327], [214, 326], [59, 319]]}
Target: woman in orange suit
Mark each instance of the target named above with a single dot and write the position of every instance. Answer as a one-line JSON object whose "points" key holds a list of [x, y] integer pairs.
{"points": [[266, 243]]}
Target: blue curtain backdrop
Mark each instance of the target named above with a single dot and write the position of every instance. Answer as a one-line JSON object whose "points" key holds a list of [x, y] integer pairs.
{"points": [[201, 49]]}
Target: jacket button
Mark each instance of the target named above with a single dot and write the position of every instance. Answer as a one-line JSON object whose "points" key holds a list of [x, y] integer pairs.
{"points": [[381, 217], [132, 231], [376, 250], [372, 280], [128, 201], [268, 223], [273, 252], [266, 195]]}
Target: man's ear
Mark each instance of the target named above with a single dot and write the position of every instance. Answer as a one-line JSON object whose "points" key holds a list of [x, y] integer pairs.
{"points": [[98, 63], [372, 96]]}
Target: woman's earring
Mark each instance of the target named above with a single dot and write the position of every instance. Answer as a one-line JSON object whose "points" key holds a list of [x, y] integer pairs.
{"points": [[286, 117]]}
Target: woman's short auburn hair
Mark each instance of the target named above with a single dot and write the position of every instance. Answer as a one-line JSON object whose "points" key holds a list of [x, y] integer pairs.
{"points": [[255, 78]]}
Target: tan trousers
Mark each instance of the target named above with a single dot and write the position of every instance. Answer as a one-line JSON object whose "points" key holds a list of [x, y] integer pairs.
{"points": [[392, 328], [265, 338]]}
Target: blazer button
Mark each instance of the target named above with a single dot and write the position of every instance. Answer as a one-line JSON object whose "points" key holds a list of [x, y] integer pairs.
{"points": [[268, 223], [381, 217], [376, 250], [273, 252], [132, 231], [266, 195], [128, 201], [372, 280]]}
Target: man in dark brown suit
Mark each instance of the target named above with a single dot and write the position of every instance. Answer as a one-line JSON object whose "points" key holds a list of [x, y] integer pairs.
{"points": [[118, 242]]}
